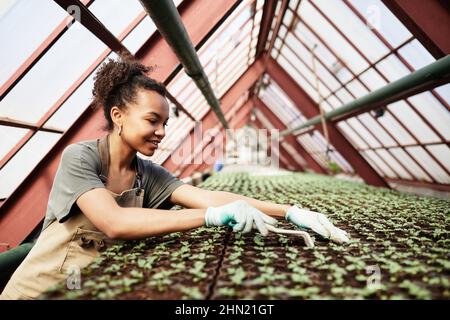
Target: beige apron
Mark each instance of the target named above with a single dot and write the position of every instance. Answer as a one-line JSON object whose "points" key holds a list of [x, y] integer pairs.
{"points": [[64, 248]]}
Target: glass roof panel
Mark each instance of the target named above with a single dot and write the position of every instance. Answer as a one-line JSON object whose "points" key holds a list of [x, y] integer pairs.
{"points": [[25, 160], [298, 78], [432, 167], [107, 11], [23, 27], [444, 92], [393, 163], [312, 17], [442, 153], [413, 122], [74, 106], [357, 89], [434, 112], [412, 165], [416, 55], [357, 32], [396, 129], [79, 47], [383, 20], [363, 132], [383, 165], [377, 130], [350, 134], [392, 68], [10, 136]]}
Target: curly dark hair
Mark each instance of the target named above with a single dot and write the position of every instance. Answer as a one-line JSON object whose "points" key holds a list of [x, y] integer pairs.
{"points": [[116, 83]]}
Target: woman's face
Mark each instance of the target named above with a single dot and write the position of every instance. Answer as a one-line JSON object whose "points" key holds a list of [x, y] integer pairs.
{"points": [[144, 121]]}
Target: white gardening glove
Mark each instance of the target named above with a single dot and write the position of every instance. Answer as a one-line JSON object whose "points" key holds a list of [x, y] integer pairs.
{"points": [[240, 216], [317, 222]]}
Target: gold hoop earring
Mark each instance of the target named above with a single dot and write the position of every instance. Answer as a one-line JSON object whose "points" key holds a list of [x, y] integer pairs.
{"points": [[120, 131]]}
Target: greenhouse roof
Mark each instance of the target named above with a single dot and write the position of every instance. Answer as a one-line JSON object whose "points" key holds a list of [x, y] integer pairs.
{"points": [[271, 64]]}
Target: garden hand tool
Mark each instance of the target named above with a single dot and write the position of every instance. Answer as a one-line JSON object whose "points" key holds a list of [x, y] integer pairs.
{"points": [[305, 235], [317, 222]]}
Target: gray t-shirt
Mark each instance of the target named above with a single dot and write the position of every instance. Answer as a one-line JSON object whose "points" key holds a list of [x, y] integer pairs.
{"points": [[79, 171]]}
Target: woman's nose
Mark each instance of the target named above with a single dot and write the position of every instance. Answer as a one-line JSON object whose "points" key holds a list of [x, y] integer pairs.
{"points": [[161, 132]]}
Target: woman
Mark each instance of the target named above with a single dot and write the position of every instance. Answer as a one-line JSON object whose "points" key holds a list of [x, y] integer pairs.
{"points": [[103, 191]]}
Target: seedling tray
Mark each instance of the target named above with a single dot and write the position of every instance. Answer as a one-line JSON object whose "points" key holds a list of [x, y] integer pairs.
{"points": [[398, 250]]}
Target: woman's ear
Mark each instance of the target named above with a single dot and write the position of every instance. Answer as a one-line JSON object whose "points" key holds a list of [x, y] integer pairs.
{"points": [[116, 115]]}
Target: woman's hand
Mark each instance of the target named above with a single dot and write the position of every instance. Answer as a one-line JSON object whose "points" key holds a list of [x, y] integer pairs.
{"points": [[240, 216], [317, 222]]}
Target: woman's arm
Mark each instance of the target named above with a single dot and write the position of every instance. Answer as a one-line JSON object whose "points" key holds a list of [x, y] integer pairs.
{"points": [[134, 223], [192, 197]]}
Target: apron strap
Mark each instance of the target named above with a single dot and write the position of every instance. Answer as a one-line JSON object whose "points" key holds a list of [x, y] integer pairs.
{"points": [[139, 173], [102, 145]]}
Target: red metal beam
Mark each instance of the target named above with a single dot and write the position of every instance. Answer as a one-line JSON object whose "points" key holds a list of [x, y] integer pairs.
{"points": [[421, 184], [26, 207], [277, 123], [290, 29], [205, 167], [428, 21], [90, 22], [310, 109], [283, 165], [265, 26], [4, 121], [253, 15]]}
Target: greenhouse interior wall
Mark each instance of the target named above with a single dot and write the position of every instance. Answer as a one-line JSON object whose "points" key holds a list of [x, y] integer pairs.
{"points": [[339, 107]]}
